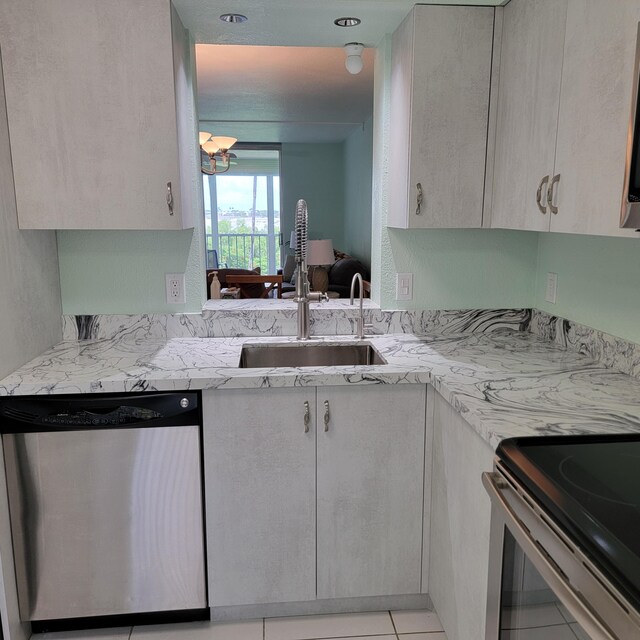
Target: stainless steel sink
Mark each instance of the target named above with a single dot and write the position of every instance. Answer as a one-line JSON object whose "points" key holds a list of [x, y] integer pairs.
{"points": [[308, 355]]}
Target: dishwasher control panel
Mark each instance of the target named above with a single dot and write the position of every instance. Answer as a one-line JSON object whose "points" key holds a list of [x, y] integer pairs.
{"points": [[37, 413]]}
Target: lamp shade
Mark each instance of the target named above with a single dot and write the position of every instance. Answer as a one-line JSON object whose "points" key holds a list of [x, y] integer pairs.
{"points": [[210, 147], [203, 136], [224, 142], [320, 252], [293, 241]]}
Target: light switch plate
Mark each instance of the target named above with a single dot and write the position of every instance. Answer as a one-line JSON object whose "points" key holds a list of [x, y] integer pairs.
{"points": [[404, 286], [552, 288], [175, 288]]}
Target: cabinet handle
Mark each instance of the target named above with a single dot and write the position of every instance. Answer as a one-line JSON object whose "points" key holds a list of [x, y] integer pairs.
{"points": [[169, 198], [307, 416], [550, 193], [327, 416], [419, 199], [543, 208]]}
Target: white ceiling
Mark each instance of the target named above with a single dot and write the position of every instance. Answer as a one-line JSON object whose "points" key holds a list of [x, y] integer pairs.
{"points": [[282, 94], [298, 23], [264, 92]]}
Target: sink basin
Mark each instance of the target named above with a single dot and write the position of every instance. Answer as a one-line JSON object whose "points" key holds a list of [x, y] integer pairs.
{"points": [[308, 355]]}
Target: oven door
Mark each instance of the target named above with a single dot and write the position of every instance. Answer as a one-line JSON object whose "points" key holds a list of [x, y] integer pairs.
{"points": [[540, 583]]}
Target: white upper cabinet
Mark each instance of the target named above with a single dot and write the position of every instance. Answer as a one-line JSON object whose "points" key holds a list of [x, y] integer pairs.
{"points": [[595, 107], [566, 78], [439, 113], [101, 114], [530, 76]]}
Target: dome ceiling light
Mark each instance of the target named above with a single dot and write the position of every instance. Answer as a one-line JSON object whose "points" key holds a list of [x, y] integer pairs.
{"points": [[353, 63], [347, 22]]}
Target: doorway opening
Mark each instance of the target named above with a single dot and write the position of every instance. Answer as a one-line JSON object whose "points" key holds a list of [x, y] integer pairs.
{"points": [[242, 211]]}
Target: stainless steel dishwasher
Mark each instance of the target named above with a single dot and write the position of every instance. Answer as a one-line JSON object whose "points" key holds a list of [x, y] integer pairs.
{"points": [[105, 500]]}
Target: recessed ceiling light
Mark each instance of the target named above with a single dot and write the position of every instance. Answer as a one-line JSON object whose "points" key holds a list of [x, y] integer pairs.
{"points": [[347, 22], [233, 17]]}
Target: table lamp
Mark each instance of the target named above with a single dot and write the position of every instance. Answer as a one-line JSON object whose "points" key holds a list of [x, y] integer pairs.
{"points": [[320, 252]]}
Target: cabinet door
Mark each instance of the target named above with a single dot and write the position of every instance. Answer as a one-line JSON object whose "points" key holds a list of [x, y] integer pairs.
{"points": [[440, 86], [460, 521], [595, 107], [92, 113], [260, 485], [449, 114], [530, 75], [370, 488]]}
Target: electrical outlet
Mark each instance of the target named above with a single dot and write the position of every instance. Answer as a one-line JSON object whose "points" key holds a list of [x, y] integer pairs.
{"points": [[175, 288], [552, 288], [404, 286]]}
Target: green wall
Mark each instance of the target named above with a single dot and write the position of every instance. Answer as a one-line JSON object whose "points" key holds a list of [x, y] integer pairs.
{"points": [[315, 173], [460, 269], [124, 271], [358, 149], [598, 281]]}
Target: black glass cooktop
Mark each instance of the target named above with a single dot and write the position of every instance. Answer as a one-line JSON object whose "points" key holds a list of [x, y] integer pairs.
{"points": [[591, 486]]}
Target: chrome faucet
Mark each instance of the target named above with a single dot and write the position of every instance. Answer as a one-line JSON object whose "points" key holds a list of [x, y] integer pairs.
{"points": [[303, 295], [360, 323]]}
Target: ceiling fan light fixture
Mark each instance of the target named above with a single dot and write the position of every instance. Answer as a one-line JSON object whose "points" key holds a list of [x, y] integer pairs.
{"points": [[347, 22], [233, 18]]}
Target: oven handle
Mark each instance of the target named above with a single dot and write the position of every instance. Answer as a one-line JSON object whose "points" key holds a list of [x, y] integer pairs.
{"points": [[494, 484]]}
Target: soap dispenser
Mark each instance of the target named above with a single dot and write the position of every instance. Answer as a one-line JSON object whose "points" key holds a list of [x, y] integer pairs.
{"points": [[214, 287]]}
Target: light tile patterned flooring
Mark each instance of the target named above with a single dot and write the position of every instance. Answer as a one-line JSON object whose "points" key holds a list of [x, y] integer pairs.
{"points": [[541, 621], [383, 625]]}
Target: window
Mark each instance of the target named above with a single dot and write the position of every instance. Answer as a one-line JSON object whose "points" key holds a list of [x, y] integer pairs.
{"points": [[242, 211]]}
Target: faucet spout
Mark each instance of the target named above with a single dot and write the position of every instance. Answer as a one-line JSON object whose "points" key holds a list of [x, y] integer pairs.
{"points": [[303, 293], [360, 321]]}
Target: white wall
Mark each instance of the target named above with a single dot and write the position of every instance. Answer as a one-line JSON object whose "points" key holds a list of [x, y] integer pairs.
{"points": [[29, 324]]}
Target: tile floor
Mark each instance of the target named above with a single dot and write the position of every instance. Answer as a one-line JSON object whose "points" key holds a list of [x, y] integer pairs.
{"points": [[384, 625], [530, 623], [538, 622]]}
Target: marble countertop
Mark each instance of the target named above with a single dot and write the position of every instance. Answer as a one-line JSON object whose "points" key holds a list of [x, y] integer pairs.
{"points": [[505, 383]]}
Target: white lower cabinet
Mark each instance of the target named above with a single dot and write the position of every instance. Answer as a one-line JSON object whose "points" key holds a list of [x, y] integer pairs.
{"points": [[280, 528], [370, 487], [260, 489], [460, 522]]}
